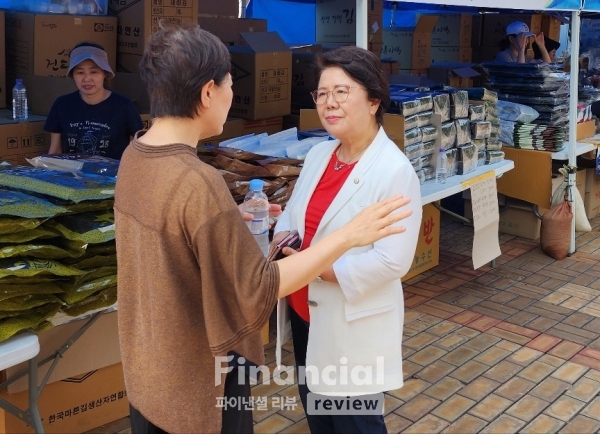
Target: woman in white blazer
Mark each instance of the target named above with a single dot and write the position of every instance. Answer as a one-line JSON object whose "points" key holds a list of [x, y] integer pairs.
{"points": [[347, 324]]}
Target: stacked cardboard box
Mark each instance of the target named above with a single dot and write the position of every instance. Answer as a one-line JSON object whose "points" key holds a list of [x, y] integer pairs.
{"points": [[451, 38], [335, 22], [410, 47]]}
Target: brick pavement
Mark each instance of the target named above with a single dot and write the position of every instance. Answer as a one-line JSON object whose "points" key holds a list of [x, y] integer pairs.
{"points": [[514, 348]]}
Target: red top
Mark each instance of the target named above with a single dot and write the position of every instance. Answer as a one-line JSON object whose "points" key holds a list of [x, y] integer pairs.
{"points": [[330, 184]]}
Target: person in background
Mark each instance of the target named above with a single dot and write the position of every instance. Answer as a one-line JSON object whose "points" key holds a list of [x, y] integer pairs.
{"points": [[193, 282], [551, 47], [514, 45], [353, 312], [92, 120]]}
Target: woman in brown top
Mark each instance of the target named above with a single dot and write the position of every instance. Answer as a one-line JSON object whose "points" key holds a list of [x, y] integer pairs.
{"points": [[193, 283]]}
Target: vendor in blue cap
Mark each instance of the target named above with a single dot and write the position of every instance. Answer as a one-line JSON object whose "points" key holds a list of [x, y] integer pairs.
{"points": [[93, 120], [514, 45]]}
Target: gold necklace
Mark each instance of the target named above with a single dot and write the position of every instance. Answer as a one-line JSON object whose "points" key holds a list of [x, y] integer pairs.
{"points": [[337, 165]]}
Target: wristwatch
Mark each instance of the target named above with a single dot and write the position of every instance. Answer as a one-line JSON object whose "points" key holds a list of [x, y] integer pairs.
{"points": [[318, 279]]}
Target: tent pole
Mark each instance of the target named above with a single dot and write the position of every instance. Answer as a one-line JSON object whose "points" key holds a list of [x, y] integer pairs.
{"points": [[362, 33], [574, 84]]}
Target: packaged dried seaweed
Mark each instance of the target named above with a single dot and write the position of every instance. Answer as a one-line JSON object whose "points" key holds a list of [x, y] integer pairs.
{"points": [[482, 94], [19, 204], [466, 158], [481, 157], [416, 163], [448, 135], [426, 160], [451, 155], [480, 144], [89, 227], [476, 112], [414, 151], [493, 157], [463, 131], [460, 104], [412, 136], [429, 133], [441, 105], [424, 118], [481, 129], [428, 148], [411, 122]]}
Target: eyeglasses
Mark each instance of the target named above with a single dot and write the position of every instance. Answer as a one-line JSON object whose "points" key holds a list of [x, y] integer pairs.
{"points": [[339, 93]]}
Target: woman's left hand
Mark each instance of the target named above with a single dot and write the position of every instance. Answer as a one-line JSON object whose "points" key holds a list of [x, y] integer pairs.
{"points": [[539, 40], [274, 211]]}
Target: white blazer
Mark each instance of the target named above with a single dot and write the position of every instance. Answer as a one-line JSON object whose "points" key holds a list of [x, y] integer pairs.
{"points": [[355, 338]]}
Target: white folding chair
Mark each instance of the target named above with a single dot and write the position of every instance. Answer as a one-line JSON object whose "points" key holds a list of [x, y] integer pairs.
{"points": [[21, 348]]}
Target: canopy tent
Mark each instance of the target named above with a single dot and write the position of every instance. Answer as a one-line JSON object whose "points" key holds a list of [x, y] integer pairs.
{"points": [[304, 12]]}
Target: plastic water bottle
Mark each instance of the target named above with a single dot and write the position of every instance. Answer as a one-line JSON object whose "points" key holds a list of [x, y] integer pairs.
{"points": [[19, 102], [441, 168], [257, 204]]}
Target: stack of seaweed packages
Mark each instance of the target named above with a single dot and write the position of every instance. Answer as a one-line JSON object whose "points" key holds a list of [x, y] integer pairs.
{"points": [[57, 248], [541, 86], [485, 135], [238, 167], [420, 134]]}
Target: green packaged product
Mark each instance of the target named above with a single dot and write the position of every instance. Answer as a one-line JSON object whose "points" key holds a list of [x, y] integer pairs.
{"points": [[77, 293], [22, 303], [38, 233], [27, 321], [16, 203], [38, 250], [10, 290], [21, 267], [63, 185], [103, 299], [11, 225], [95, 262], [88, 227]]}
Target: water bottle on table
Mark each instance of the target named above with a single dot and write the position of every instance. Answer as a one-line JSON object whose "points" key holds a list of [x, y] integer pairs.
{"points": [[257, 204], [19, 102], [441, 167]]}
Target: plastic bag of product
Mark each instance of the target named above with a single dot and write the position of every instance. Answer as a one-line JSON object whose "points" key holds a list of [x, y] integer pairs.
{"points": [[460, 104], [21, 267], [10, 225], [466, 158], [510, 111], [441, 106], [582, 224], [493, 146], [448, 135], [507, 129], [555, 233], [451, 157], [62, 185], [426, 160], [493, 157], [105, 298], [411, 122], [429, 133], [412, 136], [480, 144], [428, 148], [416, 163], [38, 233], [39, 250], [476, 112], [15, 203], [20, 303], [481, 93], [424, 118], [95, 164], [27, 321], [463, 131], [481, 158], [88, 227], [481, 129], [95, 262], [413, 151], [10, 290], [78, 292]]}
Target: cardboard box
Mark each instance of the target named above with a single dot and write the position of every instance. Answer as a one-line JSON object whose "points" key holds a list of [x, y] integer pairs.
{"points": [[518, 219], [453, 30], [459, 75], [40, 44], [23, 139], [451, 54], [427, 253], [531, 179], [393, 125], [551, 27], [586, 129], [139, 19], [97, 348], [131, 86], [411, 48], [335, 21], [304, 78], [225, 8], [261, 72], [73, 405], [3, 82], [42, 92], [390, 66], [592, 194], [235, 127], [477, 29], [485, 53], [494, 26], [128, 63], [228, 29]]}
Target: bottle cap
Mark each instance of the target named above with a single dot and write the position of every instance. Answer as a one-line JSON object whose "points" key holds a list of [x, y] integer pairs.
{"points": [[442, 150], [256, 185], [19, 80]]}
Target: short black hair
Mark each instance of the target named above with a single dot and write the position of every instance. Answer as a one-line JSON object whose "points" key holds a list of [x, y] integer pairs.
{"points": [[178, 61], [364, 67]]}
